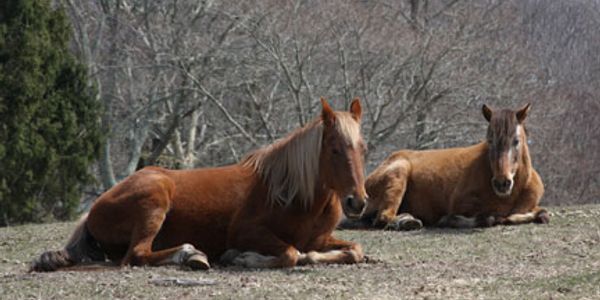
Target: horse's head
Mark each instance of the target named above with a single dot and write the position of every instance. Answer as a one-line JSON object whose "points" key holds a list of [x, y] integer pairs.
{"points": [[342, 157], [506, 141]]}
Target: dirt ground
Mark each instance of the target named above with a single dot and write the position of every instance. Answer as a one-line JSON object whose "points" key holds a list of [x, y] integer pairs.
{"points": [[556, 261]]}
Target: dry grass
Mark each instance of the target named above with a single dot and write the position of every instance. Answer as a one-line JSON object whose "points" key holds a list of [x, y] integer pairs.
{"points": [[556, 261]]}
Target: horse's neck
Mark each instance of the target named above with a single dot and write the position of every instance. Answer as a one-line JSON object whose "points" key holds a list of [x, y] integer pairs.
{"points": [[525, 168], [323, 196]]}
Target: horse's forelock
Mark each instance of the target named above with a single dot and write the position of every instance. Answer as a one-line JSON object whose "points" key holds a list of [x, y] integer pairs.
{"points": [[348, 128], [503, 127]]}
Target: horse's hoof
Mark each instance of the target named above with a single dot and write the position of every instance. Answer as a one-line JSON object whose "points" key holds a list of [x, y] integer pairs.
{"points": [[198, 262], [411, 224], [228, 257], [404, 222], [542, 217], [488, 220]]}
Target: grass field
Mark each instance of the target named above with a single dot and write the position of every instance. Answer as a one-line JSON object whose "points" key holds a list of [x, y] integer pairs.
{"points": [[556, 261]]}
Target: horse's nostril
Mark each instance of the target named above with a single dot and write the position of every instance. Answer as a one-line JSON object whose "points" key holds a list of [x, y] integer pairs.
{"points": [[362, 205], [349, 201], [503, 184]]}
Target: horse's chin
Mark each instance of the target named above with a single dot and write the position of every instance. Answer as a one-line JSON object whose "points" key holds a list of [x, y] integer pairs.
{"points": [[502, 194], [352, 215]]}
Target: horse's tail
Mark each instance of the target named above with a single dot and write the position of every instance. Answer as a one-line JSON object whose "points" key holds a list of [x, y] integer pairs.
{"points": [[81, 247]]}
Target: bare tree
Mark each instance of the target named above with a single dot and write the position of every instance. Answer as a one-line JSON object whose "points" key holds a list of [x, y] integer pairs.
{"points": [[199, 83]]}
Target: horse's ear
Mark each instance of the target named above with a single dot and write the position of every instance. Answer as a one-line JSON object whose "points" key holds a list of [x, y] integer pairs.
{"points": [[327, 114], [356, 109], [487, 112], [522, 113]]}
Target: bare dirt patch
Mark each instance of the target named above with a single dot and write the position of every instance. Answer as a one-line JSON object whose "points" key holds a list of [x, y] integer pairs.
{"points": [[556, 261]]}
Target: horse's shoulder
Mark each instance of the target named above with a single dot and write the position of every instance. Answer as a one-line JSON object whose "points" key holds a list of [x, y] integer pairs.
{"points": [[535, 183]]}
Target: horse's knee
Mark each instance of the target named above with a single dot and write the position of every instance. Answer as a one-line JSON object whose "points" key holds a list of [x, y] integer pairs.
{"points": [[137, 258], [137, 255], [289, 258], [384, 218]]}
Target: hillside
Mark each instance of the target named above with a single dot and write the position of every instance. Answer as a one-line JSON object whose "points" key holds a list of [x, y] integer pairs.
{"points": [[559, 260]]}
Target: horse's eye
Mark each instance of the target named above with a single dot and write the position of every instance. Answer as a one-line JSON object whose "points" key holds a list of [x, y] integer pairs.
{"points": [[516, 142], [335, 151]]}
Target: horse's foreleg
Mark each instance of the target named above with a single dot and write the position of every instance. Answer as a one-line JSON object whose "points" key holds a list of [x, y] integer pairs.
{"points": [[252, 259], [527, 209], [185, 255], [536, 215], [394, 182], [334, 251], [265, 250]]}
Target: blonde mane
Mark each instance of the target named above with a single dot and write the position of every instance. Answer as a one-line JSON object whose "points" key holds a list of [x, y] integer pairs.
{"points": [[290, 166]]}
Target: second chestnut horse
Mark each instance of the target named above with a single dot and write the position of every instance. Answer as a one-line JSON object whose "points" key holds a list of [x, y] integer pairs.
{"points": [[486, 184], [276, 208]]}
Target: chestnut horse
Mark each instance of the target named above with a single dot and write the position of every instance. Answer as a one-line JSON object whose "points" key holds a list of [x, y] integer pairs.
{"points": [[276, 208], [486, 184]]}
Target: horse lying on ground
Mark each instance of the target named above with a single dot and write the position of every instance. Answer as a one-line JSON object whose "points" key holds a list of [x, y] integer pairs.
{"points": [[276, 208], [490, 183]]}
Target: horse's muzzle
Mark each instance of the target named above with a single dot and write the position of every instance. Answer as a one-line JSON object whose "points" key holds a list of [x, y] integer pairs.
{"points": [[353, 206], [502, 187]]}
